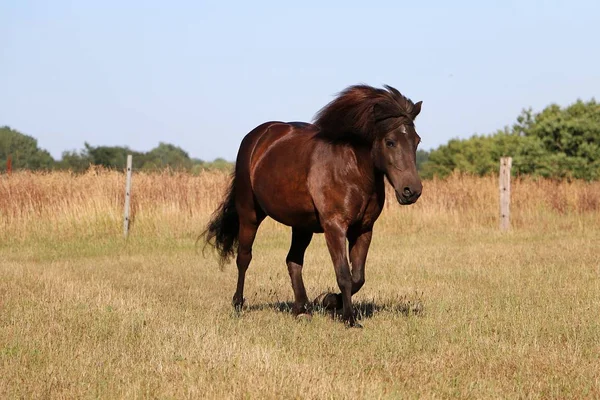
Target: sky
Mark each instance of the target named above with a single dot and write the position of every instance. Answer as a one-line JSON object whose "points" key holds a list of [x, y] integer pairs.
{"points": [[202, 74]]}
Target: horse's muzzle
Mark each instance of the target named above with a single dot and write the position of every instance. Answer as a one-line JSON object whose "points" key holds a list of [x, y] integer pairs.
{"points": [[408, 196]]}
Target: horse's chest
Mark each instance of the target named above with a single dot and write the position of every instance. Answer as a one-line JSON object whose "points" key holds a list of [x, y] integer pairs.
{"points": [[369, 212]]}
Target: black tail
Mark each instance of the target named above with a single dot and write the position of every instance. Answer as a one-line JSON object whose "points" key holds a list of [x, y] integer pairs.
{"points": [[223, 229]]}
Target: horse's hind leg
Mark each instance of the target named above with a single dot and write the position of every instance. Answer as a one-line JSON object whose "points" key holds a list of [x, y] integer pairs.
{"points": [[247, 233], [295, 260]]}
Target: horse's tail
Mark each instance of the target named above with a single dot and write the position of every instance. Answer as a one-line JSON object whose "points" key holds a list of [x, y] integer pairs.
{"points": [[223, 229]]}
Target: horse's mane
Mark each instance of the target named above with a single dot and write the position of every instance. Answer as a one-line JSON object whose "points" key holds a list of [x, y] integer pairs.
{"points": [[356, 110]]}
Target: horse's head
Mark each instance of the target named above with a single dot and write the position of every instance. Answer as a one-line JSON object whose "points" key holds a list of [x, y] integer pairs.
{"points": [[394, 153], [385, 120]]}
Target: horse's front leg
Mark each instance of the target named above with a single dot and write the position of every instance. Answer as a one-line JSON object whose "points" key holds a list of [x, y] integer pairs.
{"points": [[335, 236], [359, 247]]}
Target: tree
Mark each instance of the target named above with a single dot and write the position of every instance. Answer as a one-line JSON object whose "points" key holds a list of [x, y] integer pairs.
{"points": [[112, 156], [477, 155], [422, 157], [75, 161], [167, 155], [555, 143], [217, 164], [568, 140], [24, 151]]}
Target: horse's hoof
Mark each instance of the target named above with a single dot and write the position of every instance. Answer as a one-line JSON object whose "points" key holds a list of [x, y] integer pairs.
{"points": [[352, 323], [304, 317], [238, 305], [332, 301]]}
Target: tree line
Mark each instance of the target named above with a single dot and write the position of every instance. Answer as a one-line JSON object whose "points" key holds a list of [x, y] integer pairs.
{"points": [[26, 154], [558, 142]]}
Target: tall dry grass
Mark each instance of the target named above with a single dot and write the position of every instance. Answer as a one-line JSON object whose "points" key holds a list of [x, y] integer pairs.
{"points": [[65, 205]]}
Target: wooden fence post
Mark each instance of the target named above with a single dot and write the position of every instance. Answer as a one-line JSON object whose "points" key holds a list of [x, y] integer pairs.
{"points": [[127, 196], [9, 164], [505, 165]]}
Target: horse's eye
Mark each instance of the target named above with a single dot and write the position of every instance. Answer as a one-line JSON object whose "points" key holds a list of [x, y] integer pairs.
{"points": [[390, 143]]}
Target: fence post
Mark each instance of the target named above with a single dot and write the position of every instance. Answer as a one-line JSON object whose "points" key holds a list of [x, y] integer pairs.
{"points": [[9, 164], [127, 196], [505, 165]]}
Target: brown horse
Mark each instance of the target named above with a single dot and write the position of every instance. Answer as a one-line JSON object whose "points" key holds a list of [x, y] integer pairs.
{"points": [[326, 177]]}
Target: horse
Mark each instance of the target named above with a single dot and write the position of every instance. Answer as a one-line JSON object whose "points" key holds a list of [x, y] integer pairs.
{"points": [[322, 177]]}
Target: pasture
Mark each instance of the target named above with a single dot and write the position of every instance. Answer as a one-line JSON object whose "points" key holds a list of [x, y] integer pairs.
{"points": [[451, 307]]}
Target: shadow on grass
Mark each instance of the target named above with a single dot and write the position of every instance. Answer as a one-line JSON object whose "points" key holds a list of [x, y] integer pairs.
{"points": [[363, 309]]}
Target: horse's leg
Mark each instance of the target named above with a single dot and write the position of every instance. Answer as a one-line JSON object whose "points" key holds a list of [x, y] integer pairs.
{"points": [[295, 260], [359, 247], [335, 236], [247, 233]]}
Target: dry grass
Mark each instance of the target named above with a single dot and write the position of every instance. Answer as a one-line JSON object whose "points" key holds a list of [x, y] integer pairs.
{"points": [[63, 205], [451, 308], [91, 205]]}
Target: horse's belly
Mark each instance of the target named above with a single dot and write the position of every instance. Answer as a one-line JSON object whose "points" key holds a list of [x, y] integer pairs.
{"points": [[279, 182], [297, 219], [286, 203]]}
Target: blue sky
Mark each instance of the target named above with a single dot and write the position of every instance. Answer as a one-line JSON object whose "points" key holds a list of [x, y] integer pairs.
{"points": [[201, 74]]}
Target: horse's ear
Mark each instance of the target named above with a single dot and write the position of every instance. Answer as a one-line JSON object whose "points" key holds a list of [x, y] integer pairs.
{"points": [[416, 110]]}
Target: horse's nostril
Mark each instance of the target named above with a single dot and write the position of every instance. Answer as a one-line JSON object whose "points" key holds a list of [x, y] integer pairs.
{"points": [[407, 192]]}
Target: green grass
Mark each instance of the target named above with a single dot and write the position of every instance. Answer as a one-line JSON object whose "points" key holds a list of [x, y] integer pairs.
{"points": [[446, 313]]}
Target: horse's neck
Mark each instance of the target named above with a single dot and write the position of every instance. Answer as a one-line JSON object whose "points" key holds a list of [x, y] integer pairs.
{"points": [[366, 166]]}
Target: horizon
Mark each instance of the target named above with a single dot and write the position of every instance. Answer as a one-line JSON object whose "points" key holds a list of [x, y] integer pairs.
{"points": [[201, 76]]}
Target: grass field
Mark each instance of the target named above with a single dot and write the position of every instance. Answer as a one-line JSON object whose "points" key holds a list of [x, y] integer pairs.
{"points": [[452, 308]]}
